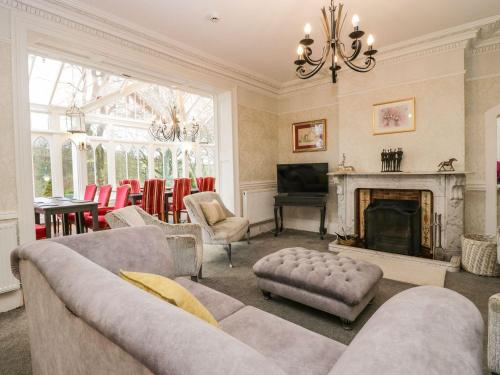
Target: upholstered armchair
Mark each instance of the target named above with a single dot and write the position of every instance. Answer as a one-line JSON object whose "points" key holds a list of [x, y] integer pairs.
{"points": [[232, 229], [184, 240]]}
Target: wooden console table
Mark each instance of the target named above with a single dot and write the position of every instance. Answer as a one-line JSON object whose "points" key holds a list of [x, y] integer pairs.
{"points": [[303, 200]]}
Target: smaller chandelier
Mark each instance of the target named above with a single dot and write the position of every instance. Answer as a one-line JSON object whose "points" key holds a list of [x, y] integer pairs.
{"points": [[164, 130], [334, 47], [75, 125]]}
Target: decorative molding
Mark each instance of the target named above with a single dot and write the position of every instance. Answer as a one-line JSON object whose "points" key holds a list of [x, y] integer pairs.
{"points": [[5, 40], [128, 35], [486, 76], [257, 185], [475, 186], [8, 215], [140, 41]]}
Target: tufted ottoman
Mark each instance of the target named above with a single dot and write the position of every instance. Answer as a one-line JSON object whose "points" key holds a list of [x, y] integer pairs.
{"points": [[338, 285]]}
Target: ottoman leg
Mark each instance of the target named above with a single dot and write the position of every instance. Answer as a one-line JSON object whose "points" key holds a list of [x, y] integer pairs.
{"points": [[228, 251], [267, 295], [346, 324]]}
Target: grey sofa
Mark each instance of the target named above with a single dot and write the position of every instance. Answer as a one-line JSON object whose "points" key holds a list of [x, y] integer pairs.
{"points": [[184, 240], [84, 319], [232, 229]]}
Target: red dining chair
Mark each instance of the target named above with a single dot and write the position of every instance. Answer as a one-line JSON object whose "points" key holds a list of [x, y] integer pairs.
{"points": [[199, 183], [40, 231], [135, 187], [208, 184], [88, 195], [102, 204], [121, 200], [153, 197], [182, 187]]}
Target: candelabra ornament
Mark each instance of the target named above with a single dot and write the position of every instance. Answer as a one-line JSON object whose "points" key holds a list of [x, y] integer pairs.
{"points": [[391, 160], [334, 47], [164, 130]]}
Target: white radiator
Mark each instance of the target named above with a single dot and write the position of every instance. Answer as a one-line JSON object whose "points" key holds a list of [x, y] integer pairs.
{"points": [[8, 242], [258, 205]]}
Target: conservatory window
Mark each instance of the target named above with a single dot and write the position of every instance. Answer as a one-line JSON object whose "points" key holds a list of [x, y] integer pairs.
{"points": [[169, 169], [101, 166], [132, 162], [42, 176], [143, 165], [158, 164], [67, 168], [90, 165], [120, 164]]}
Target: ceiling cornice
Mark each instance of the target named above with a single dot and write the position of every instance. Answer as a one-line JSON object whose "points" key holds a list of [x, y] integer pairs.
{"points": [[80, 17], [67, 13]]}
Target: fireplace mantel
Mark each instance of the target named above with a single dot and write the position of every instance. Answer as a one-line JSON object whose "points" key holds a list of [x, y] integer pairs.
{"points": [[447, 188]]}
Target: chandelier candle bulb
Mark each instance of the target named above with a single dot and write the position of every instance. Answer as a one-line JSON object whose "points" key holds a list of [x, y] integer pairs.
{"points": [[370, 40], [355, 21], [307, 29]]}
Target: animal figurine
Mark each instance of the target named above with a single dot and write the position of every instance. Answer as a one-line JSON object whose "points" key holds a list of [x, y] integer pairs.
{"points": [[344, 168], [447, 165]]}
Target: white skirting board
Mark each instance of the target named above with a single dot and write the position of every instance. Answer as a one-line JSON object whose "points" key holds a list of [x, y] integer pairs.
{"points": [[8, 242]]}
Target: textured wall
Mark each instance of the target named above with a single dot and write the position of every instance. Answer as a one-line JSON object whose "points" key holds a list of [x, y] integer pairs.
{"points": [[258, 144], [7, 160]]}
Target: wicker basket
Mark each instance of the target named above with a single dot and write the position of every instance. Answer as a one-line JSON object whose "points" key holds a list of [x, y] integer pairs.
{"points": [[479, 255]]}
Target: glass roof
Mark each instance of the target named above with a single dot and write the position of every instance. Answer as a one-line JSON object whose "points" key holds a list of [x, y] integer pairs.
{"points": [[58, 85]]}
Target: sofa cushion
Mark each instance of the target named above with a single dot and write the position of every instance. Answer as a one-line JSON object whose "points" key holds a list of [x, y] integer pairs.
{"points": [[219, 304], [342, 278], [293, 348], [230, 229], [212, 211], [171, 292]]}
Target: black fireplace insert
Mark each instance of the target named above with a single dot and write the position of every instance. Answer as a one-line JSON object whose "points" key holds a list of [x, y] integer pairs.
{"points": [[393, 226]]}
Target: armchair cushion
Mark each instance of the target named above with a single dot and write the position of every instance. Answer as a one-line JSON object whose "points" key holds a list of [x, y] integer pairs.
{"points": [[212, 211], [230, 230], [130, 216]]}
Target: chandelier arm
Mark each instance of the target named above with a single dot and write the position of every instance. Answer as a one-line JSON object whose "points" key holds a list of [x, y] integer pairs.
{"points": [[369, 65], [324, 55], [357, 45], [302, 74]]}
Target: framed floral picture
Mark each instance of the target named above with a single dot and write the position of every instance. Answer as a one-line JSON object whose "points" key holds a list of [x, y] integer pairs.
{"points": [[309, 136], [394, 117]]}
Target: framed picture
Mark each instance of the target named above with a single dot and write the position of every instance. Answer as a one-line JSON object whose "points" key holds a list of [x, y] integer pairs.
{"points": [[394, 117], [309, 136]]}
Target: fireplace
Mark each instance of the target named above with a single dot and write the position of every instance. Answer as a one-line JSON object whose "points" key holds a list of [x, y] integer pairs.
{"points": [[393, 226], [438, 193], [395, 220]]}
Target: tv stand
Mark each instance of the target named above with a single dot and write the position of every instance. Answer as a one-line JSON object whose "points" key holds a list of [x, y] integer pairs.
{"points": [[300, 200]]}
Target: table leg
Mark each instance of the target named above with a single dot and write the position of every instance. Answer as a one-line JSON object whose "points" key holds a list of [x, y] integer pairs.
{"points": [[322, 222], [95, 223], [79, 222], [276, 221], [48, 225], [65, 225], [37, 218], [281, 218]]}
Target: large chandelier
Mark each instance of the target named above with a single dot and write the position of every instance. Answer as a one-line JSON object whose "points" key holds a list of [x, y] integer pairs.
{"points": [[164, 130], [334, 47]]}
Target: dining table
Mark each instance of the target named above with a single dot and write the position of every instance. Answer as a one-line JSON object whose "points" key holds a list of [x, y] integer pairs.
{"points": [[52, 206]]}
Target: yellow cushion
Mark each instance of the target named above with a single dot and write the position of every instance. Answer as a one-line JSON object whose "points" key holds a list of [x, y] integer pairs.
{"points": [[171, 292], [213, 212]]}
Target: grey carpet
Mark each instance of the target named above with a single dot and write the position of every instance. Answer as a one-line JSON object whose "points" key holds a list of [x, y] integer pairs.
{"points": [[240, 283]]}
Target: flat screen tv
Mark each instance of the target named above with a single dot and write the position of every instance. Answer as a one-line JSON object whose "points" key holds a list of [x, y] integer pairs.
{"points": [[303, 178]]}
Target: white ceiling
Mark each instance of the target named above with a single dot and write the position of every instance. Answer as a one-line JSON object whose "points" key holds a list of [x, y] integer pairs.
{"points": [[262, 35]]}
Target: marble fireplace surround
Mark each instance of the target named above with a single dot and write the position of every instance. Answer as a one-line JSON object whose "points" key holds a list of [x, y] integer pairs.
{"points": [[448, 197]]}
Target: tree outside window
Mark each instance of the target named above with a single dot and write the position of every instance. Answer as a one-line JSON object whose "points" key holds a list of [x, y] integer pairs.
{"points": [[158, 164], [67, 168]]}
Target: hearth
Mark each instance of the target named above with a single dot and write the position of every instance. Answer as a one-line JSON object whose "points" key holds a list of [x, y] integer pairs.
{"points": [[393, 226]]}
